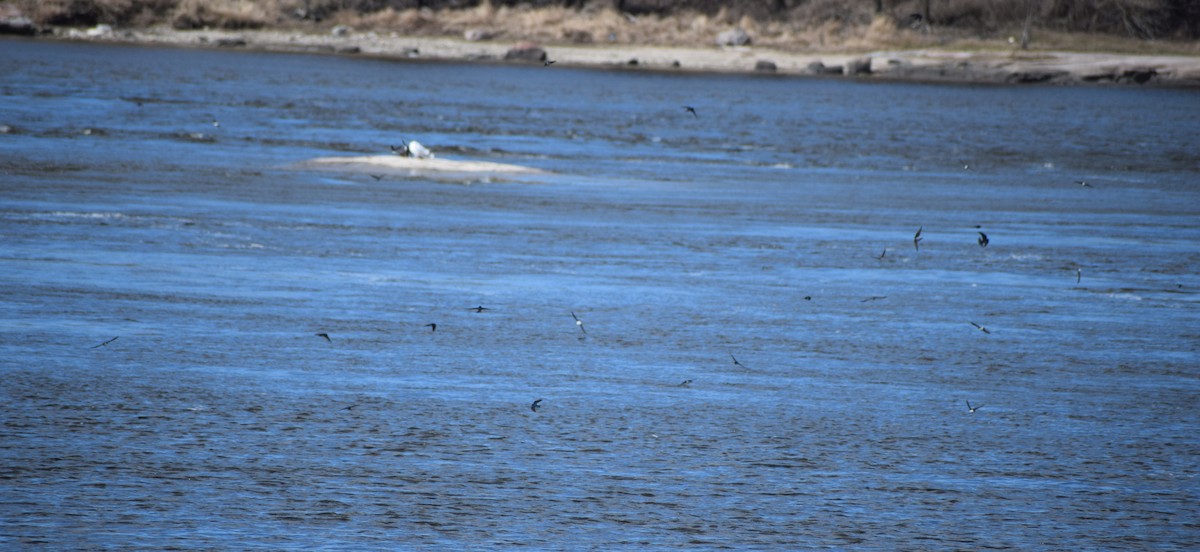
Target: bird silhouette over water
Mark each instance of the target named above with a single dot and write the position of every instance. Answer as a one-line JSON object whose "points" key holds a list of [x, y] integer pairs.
{"points": [[972, 409], [377, 177], [873, 298], [691, 110], [1078, 275], [917, 239], [983, 240], [579, 323], [105, 343], [685, 383], [326, 336], [536, 405], [480, 308], [1083, 184], [735, 361], [882, 255], [432, 326], [549, 62], [981, 328]]}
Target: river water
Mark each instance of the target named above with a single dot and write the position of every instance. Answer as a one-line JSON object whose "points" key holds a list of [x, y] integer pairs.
{"points": [[219, 419]]}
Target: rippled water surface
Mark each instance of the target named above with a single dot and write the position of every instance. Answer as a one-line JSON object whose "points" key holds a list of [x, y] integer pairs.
{"points": [[219, 419]]}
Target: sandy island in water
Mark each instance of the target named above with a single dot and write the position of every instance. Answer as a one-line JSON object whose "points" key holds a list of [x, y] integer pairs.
{"points": [[392, 165], [1015, 66]]}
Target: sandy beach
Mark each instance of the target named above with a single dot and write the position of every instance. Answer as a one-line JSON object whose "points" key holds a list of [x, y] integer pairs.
{"points": [[935, 65]]}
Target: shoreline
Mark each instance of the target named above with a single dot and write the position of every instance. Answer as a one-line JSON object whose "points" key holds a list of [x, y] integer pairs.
{"points": [[913, 65]]}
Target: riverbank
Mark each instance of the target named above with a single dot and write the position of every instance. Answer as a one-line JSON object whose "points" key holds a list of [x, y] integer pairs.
{"points": [[978, 66]]}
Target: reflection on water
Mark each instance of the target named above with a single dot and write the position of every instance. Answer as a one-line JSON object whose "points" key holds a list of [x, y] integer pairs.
{"points": [[220, 419]]}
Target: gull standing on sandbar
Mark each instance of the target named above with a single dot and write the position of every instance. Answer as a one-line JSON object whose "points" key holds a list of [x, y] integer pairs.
{"points": [[412, 149]]}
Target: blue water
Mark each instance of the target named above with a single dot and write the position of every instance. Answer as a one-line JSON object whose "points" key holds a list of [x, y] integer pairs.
{"points": [[218, 419]]}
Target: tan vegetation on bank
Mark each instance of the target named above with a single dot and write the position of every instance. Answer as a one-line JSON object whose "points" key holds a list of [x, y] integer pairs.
{"points": [[1170, 26]]}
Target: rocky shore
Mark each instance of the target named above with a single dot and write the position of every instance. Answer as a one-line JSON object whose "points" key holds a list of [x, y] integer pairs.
{"points": [[925, 65]]}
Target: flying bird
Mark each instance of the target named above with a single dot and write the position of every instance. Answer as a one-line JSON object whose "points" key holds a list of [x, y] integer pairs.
{"points": [[326, 336], [735, 361], [536, 405], [579, 323], [917, 238], [105, 343], [480, 308], [882, 255], [685, 383], [983, 240], [981, 328], [691, 110], [1083, 183], [432, 326], [1078, 275], [377, 177], [549, 62], [972, 409], [874, 298]]}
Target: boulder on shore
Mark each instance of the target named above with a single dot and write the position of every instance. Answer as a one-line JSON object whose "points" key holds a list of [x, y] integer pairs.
{"points": [[733, 37], [859, 66], [526, 51], [819, 68]]}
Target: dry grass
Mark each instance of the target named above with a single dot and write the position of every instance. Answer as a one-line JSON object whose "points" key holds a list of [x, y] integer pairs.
{"points": [[813, 25], [226, 14]]}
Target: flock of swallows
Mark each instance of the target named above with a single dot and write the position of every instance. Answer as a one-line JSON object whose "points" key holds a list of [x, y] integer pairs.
{"points": [[983, 242]]}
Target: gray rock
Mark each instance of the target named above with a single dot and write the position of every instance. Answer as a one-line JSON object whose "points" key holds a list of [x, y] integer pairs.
{"points": [[1034, 76], [475, 35], [1139, 75], [99, 31], [232, 42], [859, 66], [340, 30], [733, 37], [765, 66], [526, 51], [819, 68]]}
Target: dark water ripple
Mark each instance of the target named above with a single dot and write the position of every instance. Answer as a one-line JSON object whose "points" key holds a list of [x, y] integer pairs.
{"points": [[219, 420]]}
